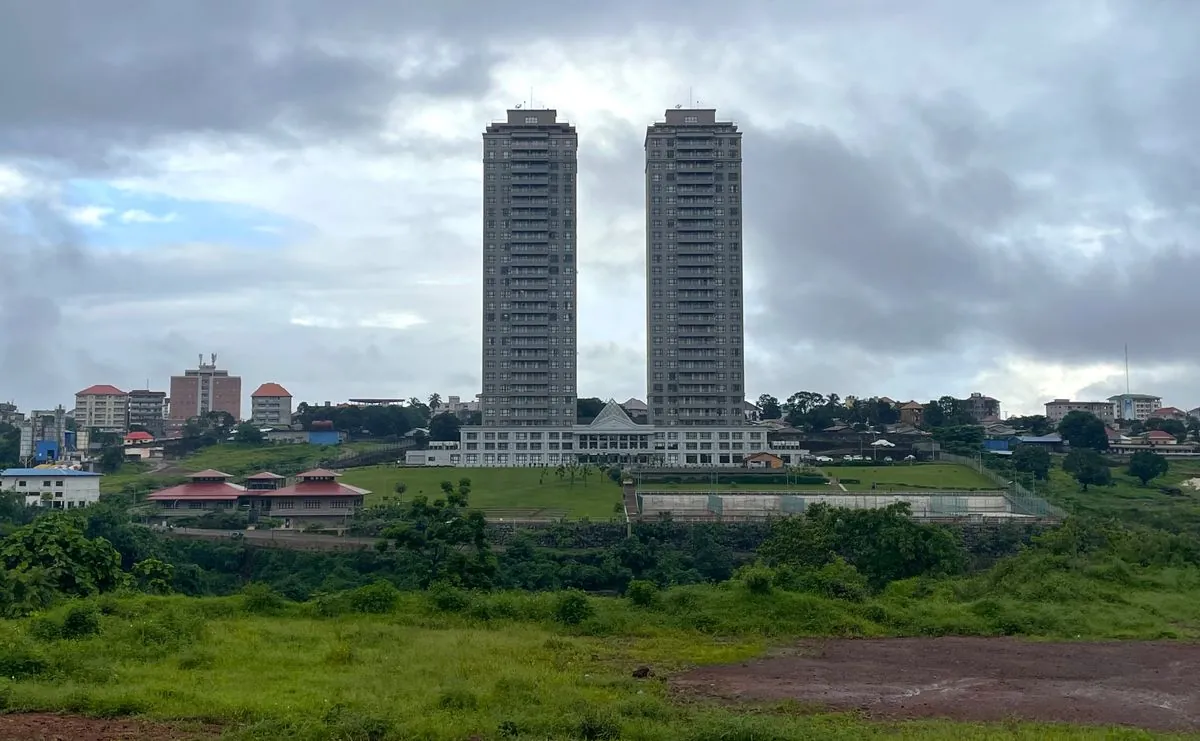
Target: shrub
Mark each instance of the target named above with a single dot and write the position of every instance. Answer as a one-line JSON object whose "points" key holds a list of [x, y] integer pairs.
{"points": [[758, 579], [572, 608], [448, 598], [377, 599], [837, 579], [20, 660], [81, 621], [595, 726], [642, 593], [260, 599]]}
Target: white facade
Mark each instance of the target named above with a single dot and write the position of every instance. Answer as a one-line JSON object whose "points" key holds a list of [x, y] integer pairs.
{"points": [[1059, 408], [614, 438], [439, 454], [1135, 406], [59, 488]]}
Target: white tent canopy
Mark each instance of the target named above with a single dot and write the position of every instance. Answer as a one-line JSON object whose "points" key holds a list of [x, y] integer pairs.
{"points": [[881, 443]]}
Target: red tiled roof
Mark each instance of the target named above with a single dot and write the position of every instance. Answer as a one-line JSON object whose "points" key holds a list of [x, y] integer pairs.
{"points": [[139, 435], [912, 405], [271, 389], [318, 473], [203, 491], [102, 389], [1159, 435], [315, 489], [1168, 411], [209, 474], [265, 476]]}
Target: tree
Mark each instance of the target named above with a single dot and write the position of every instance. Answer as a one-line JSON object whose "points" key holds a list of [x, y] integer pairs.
{"points": [[1145, 465], [111, 458], [153, 576], [1084, 430], [1172, 426], [435, 403], [449, 541], [248, 433], [1032, 459], [1034, 424], [770, 407], [444, 427], [71, 563], [1088, 467], [587, 409]]}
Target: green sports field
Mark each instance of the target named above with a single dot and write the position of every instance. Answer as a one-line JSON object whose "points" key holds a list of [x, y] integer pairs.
{"points": [[519, 493]]}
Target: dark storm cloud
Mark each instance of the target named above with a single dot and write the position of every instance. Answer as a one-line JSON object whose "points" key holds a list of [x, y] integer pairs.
{"points": [[83, 80]]}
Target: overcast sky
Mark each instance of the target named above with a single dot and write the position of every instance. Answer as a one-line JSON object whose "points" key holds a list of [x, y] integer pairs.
{"points": [[941, 196]]}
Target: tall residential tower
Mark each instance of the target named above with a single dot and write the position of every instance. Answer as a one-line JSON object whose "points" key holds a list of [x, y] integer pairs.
{"points": [[529, 264], [695, 367]]}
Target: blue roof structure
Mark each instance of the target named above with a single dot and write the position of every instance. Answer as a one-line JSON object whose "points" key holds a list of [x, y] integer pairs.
{"points": [[52, 472], [1040, 439]]}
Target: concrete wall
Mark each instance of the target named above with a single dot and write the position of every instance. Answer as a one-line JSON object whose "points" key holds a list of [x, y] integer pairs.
{"points": [[944, 504]]}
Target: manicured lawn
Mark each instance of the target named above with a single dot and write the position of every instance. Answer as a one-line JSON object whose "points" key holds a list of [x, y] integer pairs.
{"points": [[501, 492], [237, 458], [888, 478], [911, 476]]}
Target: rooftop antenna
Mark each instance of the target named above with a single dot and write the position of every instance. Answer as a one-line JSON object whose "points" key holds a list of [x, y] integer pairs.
{"points": [[1126, 367]]}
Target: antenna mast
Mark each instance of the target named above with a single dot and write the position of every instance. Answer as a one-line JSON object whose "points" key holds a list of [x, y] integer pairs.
{"points": [[1126, 367]]}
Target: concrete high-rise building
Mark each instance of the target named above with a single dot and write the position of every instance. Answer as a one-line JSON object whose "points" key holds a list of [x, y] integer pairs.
{"points": [[695, 370], [529, 269], [148, 409], [205, 389], [102, 407]]}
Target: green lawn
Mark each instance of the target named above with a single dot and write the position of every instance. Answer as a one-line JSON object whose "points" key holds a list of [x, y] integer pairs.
{"points": [[239, 458], [512, 492], [1128, 500], [888, 478], [915, 475]]}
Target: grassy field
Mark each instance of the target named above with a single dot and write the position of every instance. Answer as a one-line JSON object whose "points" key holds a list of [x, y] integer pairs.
{"points": [[1128, 500], [496, 667], [900, 476], [232, 458], [500, 492], [911, 476]]}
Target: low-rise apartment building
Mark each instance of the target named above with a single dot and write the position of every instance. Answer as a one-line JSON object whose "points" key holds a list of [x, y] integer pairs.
{"points": [[55, 488], [102, 407], [1130, 407], [271, 405], [1059, 408]]}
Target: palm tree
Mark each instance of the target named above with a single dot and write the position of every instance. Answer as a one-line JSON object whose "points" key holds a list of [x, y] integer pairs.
{"points": [[435, 401]]}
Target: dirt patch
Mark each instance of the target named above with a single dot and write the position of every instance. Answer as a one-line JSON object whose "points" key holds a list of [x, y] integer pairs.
{"points": [[52, 727], [1153, 684]]}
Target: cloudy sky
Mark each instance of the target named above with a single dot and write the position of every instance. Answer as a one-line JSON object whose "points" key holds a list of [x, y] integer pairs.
{"points": [[941, 196]]}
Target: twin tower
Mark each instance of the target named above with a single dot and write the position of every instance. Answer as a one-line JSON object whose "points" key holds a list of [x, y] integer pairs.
{"points": [[695, 371]]}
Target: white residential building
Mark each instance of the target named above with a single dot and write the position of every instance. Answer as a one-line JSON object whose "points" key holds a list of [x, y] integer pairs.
{"points": [[1059, 408], [59, 488], [1135, 406], [102, 407]]}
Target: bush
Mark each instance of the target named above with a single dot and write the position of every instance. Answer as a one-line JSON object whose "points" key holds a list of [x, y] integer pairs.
{"points": [[642, 593], [838, 580], [81, 621], [595, 726], [572, 608], [758, 579], [260, 599], [448, 598], [377, 599]]}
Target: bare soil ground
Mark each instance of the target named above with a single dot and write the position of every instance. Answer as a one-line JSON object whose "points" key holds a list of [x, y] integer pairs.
{"points": [[1151, 684], [52, 727]]}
